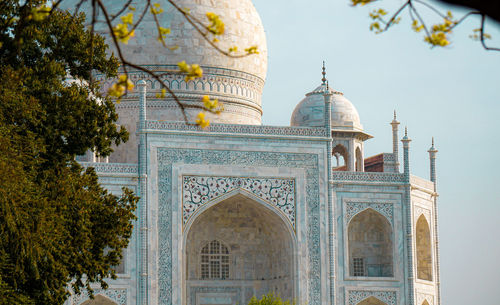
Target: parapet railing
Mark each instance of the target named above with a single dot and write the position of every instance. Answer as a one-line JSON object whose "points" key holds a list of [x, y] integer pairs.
{"points": [[239, 129], [344, 176], [112, 168]]}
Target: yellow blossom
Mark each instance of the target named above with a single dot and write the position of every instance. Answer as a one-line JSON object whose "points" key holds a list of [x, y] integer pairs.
{"points": [[192, 71], [156, 9], [201, 120], [119, 88], [252, 50], [162, 94], [128, 19], [216, 25], [162, 33], [210, 104], [122, 33]]}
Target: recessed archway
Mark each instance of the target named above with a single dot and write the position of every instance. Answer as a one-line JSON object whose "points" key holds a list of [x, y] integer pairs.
{"points": [[371, 301], [370, 245], [99, 300], [424, 254], [242, 244], [342, 156]]}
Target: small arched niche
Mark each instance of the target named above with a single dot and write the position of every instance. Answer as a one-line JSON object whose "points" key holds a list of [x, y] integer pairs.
{"points": [[371, 301], [99, 300], [342, 157], [424, 253], [425, 302], [241, 243], [370, 245]]}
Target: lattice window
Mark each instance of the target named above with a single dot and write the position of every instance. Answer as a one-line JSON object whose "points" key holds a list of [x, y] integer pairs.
{"points": [[358, 265], [214, 261]]}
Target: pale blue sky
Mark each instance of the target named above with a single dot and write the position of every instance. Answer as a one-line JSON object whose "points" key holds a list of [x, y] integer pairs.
{"points": [[452, 94]]}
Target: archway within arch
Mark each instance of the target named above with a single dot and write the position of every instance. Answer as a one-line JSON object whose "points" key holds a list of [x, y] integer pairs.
{"points": [[371, 301], [342, 157], [99, 300], [424, 256], [370, 245], [425, 302], [259, 253]]}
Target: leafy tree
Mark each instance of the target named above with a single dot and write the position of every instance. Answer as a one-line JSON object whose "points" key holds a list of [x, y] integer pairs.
{"points": [[58, 226], [269, 299]]}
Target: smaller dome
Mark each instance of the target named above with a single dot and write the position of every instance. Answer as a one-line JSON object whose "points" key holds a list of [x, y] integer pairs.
{"points": [[310, 111]]}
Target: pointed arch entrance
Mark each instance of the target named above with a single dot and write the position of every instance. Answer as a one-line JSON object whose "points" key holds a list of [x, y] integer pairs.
{"points": [[99, 300], [370, 245], [371, 301], [237, 248]]}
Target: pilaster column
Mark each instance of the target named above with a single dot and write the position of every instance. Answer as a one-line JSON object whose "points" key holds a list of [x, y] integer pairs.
{"points": [[331, 220], [143, 202]]}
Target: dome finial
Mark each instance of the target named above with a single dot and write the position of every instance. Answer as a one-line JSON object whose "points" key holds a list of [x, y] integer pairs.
{"points": [[324, 74]]}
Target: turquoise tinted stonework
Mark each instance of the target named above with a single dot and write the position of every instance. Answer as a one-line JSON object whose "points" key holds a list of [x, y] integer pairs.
{"points": [[240, 209]]}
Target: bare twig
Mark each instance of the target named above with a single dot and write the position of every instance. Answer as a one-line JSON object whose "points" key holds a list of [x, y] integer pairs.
{"points": [[124, 7], [483, 43], [391, 21]]}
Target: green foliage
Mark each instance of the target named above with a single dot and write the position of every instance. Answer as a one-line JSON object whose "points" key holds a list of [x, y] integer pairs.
{"points": [[269, 299], [58, 226]]}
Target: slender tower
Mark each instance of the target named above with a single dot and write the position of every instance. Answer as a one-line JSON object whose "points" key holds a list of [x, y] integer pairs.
{"points": [[432, 156], [407, 207], [395, 144], [406, 154]]}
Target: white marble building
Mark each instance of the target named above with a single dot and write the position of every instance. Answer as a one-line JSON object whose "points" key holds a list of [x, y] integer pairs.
{"points": [[242, 209]]}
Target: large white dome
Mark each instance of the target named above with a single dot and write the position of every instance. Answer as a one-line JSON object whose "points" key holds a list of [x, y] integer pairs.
{"points": [[236, 82], [243, 28]]}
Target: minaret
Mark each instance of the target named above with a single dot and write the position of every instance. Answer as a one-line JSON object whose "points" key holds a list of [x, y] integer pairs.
{"points": [[432, 156], [406, 154], [395, 144]]}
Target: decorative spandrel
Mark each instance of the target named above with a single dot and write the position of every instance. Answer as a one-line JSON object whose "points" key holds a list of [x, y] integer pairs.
{"points": [[198, 190], [357, 296]]}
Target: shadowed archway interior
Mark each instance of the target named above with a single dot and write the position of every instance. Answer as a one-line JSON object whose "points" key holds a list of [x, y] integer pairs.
{"points": [[237, 249], [371, 301], [99, 300], [370, 245]]}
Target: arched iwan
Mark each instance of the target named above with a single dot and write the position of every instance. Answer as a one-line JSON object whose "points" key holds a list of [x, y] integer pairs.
{"points": [[241, 240], [371, 301], [99, 300], [370, 245]]}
